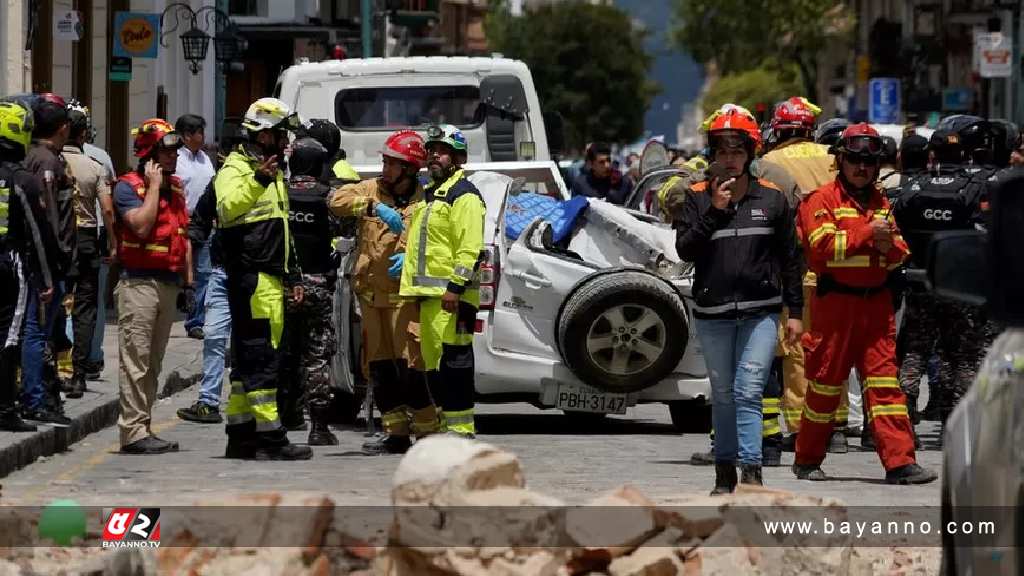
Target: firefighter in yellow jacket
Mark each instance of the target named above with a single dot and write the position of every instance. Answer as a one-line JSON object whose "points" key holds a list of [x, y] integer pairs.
{"points": [[252, 222], [445, 240], [391, 357]]}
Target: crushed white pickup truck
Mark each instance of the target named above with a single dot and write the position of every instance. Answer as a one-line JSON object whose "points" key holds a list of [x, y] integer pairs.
{"points": [[590, 320]]}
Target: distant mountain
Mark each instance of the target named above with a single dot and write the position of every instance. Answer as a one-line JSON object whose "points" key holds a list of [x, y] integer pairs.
{"points": [[679, 76]]}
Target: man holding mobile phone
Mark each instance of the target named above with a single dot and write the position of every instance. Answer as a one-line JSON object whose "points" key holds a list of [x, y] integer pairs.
{"points": [[156, 260], [740, 232], [260, 262]]}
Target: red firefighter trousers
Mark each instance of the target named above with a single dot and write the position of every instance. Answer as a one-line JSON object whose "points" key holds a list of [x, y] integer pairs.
{"points": [[854, 331]]}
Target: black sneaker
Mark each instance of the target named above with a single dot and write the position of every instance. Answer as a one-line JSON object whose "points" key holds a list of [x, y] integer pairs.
{"points": [[910, 474], [47, 416], [837, 444], [150, 445], [386, 444], [286, 452], [202, 413], [195, 333], [74, 388], [11, 422], [808, 472], [93, 371]]}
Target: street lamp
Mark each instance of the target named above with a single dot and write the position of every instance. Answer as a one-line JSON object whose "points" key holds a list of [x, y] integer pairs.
{"points": [[195, 42]]}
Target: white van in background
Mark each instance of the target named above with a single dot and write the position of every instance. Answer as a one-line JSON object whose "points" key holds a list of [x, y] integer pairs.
{"points": [[492, 100]]}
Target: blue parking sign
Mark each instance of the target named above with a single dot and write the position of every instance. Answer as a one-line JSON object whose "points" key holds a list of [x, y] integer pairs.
{"points": [[884, 102]]}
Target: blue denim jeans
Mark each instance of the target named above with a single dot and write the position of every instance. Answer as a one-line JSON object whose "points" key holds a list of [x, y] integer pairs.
{"points": [[217, 333], [738, 354], [201, 278], [33, 393]]}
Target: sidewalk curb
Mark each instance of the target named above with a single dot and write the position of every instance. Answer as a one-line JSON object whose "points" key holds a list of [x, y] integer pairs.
{"points": [[50, 440]]}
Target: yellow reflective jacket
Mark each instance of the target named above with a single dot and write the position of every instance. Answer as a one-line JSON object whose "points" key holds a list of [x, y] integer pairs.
{"points": [[808, 163], [344, 171], [252, 219], [445, 240]]}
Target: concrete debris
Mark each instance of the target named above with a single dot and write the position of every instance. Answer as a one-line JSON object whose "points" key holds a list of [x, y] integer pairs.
{"points": [[462, 508]]}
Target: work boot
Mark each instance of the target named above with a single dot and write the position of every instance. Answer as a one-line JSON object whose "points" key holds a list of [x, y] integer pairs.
{"points": [[725, 479], [809, 472], [202, 413], [837, 443], [789, 443], [286, 452], [751, 474], [386, 444], [294, 421], [93, 371], [11, 422], [239, 450], [319, 433], [910, 474], [74, 387], [867, 440], [771, 450]]}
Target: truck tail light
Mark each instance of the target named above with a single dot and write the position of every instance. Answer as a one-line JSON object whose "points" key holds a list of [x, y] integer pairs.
{"points": [[488, 275]]}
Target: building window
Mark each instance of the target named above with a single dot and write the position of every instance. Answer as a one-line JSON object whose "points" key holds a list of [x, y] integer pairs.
{"points": [[244, 7]]}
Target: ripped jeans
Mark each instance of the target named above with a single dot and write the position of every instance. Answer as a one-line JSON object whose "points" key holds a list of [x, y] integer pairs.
{"points": [[738, 354]]}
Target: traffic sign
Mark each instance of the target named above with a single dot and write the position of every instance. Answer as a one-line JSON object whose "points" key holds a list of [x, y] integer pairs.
{"points": [[994, 51], [884, 102]]}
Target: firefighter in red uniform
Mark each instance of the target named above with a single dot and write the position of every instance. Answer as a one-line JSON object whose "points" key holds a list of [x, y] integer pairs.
{"points": [[851, 243]]}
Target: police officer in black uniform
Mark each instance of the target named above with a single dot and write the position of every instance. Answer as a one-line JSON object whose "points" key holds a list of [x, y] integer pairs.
{"points": [[948, 198], [309, 341]]}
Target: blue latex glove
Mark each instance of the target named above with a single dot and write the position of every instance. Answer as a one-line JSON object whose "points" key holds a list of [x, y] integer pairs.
{"points": [[397, 261], [390, 216]]}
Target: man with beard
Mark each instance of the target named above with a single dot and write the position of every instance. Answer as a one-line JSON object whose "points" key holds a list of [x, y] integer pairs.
{"points": [[440, 270], [391, 350]]}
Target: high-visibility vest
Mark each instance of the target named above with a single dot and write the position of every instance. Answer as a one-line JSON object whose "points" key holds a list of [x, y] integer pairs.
{"points": [[167, 244]]}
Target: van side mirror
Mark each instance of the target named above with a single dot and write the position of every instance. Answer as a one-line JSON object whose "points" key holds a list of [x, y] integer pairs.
{"points": [[958, 266], [555, 129]]}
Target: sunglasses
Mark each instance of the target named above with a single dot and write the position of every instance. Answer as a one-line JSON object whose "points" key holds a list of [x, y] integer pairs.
{"points": [[171, 140]]}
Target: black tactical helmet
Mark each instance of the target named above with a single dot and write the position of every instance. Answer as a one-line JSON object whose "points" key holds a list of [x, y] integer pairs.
{"points": [[829, 131], [324, 132], [308, 158]]}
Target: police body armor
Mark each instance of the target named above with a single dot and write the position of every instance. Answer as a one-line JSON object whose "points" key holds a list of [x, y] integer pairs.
{"points": [[947, 200], [310, 225]]}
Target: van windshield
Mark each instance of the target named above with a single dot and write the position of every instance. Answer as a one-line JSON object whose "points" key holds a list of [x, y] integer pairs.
{"points": [[400, 107]]}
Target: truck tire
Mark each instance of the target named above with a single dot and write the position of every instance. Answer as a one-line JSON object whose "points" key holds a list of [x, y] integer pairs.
{"points": [[690, 416], [623, 332]]}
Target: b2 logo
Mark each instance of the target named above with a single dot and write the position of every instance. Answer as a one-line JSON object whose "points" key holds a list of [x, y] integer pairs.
{"points": [[936, 214], [131, 528]]}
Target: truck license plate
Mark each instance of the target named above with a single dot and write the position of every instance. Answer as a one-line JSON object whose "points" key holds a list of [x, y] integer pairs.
{"points": [[582, 398]]}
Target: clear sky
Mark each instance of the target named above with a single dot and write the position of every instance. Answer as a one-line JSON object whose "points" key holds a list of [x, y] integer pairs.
{"points": [[679, 76]]}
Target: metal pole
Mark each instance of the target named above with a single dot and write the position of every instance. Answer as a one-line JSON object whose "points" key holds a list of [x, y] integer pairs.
{"points": [[367, 27]]}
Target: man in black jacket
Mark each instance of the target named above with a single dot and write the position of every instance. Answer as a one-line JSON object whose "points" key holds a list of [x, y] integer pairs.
{"points": [[596, 179], [741, 234]]}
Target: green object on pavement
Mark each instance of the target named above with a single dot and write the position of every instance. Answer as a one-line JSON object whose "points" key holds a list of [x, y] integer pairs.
{"points": [[62, 521]]}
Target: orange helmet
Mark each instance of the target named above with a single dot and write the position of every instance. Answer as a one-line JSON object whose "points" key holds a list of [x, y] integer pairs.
{"points": [[733, 128], [155, 132], [407, 146]]}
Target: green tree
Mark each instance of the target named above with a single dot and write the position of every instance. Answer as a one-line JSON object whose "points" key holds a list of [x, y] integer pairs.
{"points": [[767, 84], [743, 35], [588, 64]]}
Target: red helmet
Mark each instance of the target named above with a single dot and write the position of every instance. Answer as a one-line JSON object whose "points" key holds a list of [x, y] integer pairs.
{"points": [[797, 113], [154, 132], [407, 146], [861, 140], [736, 122]]}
